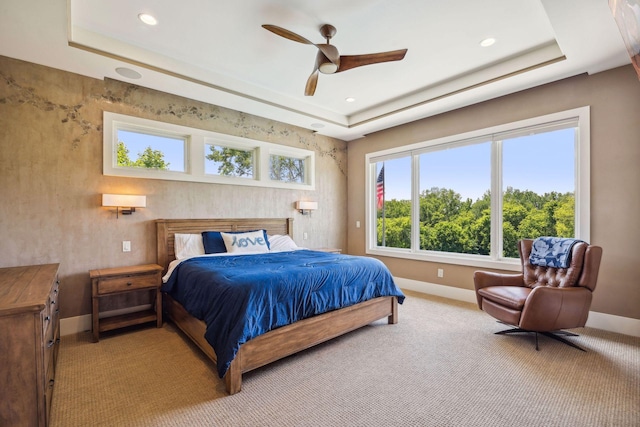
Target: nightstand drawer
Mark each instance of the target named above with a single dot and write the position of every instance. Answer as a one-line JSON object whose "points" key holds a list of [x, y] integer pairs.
{"points": [[127, 283]]}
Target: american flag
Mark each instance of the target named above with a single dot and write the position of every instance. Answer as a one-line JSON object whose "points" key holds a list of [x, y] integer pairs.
{"points": [[380, 189]]}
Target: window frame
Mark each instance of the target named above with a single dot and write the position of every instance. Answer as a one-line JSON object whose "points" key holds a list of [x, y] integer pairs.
{"points": [[581, 119], [195, 141]]}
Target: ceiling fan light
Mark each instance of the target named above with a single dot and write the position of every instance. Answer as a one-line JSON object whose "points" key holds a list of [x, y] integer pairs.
{"points": [[328, 68]]}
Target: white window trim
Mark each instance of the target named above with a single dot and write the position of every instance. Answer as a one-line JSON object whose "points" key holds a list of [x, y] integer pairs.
{"points": [[582, 190], [195, 154]]}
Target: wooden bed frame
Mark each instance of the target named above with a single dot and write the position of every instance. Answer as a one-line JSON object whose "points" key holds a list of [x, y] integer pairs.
{"points": [[277, 343]]}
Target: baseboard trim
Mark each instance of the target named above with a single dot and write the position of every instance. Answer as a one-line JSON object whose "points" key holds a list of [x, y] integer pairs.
{"points": [[607, 322]]}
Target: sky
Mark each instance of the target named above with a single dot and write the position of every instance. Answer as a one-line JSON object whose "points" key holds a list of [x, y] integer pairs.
{"points": [[540, 163], [173, 148], [466, 170]]}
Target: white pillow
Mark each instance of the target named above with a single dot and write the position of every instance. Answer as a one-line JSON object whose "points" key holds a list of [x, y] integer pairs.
{"points": [[281, 243], [249, 242], [188, 245]]}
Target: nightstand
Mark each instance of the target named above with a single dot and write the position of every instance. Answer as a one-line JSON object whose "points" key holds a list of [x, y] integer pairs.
{"points": [[117, 281], [331, 250]]}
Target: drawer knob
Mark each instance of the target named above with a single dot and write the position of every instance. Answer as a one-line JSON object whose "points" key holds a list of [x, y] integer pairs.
{"points": [[51, 383], [47, 318], [50, 343], [53, 302], [129, 283]]}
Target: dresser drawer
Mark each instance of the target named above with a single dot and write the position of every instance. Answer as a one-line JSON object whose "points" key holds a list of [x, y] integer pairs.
{"points": [[51, 308], [48, 389], [49, 348], [125, 283]]}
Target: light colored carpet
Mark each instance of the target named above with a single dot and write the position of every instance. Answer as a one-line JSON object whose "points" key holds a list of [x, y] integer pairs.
{"points": [[441, 365]]}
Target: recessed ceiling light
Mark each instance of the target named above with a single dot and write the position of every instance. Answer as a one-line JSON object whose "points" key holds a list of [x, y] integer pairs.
{"points": [[147, 19], [128, 73], [350, 99], [317, 125], [487, 42]]}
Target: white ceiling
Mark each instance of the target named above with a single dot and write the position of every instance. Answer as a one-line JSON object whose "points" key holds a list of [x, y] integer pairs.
{"points": [[217, 51]]}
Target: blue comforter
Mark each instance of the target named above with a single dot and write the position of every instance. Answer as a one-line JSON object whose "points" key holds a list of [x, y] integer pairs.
{"points": [[243, 296]]}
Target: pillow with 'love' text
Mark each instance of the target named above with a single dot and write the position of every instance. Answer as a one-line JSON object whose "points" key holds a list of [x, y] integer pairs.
{"points": [[249, 242]]}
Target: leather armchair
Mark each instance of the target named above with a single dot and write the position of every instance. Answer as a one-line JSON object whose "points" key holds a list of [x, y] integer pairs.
{"points": [[542, 299]]}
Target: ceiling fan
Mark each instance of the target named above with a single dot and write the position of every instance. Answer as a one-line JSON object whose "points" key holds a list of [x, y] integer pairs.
{"points": [[328, 60]]}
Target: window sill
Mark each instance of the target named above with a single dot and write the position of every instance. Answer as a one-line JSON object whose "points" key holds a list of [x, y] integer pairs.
{"points": [[482, 261]]}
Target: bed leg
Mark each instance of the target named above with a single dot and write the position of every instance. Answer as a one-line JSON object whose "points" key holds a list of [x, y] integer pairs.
{"points": [[233, 377], [393, 318]]}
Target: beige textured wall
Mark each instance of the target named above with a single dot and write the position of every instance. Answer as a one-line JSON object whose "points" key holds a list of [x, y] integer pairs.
{"points": [[614, 97], [51, 176]]}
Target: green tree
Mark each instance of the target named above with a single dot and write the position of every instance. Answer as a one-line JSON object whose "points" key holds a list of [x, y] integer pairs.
{"points": [[151, 159], [397, 232], [233, 162], [286, 169], [123, 155], [564, 216], [449, 224], [533, 225], [396, 208], [446, 236], [439, 204], [481, 232]]}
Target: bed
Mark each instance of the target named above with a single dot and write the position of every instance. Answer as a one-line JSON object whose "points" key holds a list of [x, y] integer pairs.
{"points": [[276, 343]]}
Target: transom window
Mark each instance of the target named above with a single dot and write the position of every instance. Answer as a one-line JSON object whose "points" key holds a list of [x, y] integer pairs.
{"points": [[142, 148], [467, 199], [139, 149]]}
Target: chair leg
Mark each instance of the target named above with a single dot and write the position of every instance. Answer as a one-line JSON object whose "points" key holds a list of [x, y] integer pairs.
{"points": [[517, 331], [556, 335]]}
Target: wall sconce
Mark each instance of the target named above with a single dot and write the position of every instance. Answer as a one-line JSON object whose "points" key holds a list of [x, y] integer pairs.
{"points": [[124, 203], [306, 207]]}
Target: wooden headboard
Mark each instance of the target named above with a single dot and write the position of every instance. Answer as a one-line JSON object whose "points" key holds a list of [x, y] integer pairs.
{"points": [[167, 228]]}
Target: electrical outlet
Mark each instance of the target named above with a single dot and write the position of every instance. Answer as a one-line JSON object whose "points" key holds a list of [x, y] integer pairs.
{"points": [[305, 236], [126, 246], [440, 272], [357, 224]]}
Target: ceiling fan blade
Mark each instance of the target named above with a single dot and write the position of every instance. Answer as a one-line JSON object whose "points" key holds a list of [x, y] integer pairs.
{"points": [[348, 62], [312, 82], [286, 34]]}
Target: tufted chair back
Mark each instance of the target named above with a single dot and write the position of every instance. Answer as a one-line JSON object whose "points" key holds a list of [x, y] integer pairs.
{"points": [[535, 276]]}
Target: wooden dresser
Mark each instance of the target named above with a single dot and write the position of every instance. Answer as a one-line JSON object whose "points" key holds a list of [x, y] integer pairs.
{"points": [[29, 343]]}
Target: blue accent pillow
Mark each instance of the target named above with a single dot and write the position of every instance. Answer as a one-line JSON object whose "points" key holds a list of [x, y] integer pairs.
{"points": [[214, 244]]}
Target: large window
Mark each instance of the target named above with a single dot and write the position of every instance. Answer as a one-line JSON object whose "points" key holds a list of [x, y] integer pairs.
{"points": [[142, 148], [467, 199]]}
